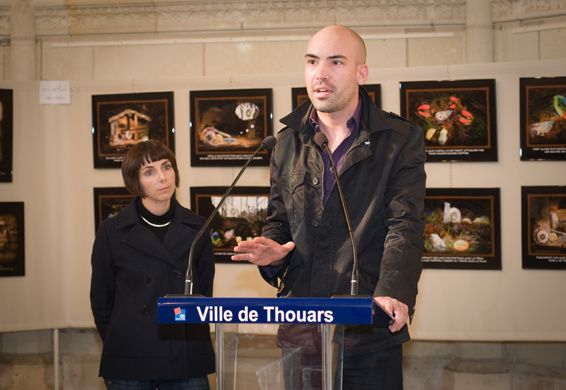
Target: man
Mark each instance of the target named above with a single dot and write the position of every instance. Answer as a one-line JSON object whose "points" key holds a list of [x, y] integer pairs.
{"points": [[304, 249]]}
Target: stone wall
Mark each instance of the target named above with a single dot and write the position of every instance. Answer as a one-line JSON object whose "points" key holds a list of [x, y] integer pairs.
{"points": [[26, 362]]}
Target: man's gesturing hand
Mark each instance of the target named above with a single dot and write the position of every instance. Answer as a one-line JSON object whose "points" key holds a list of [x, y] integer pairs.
{"points": [[262, 251]]}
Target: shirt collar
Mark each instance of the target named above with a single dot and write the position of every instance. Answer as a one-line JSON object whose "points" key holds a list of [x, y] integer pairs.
{"points": [[353, 123]]}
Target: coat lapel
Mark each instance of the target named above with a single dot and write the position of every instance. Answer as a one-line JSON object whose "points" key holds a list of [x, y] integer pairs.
{"points": [[178, 239]]}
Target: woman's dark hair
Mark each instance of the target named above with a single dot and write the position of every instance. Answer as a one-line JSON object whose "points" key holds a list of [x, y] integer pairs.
{"points": [[144, 153]]}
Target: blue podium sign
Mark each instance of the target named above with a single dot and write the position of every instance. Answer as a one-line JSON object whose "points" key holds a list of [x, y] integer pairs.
{"points": [[198, 310]]}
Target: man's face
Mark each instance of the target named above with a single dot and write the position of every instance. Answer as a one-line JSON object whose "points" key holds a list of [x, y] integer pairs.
{"points": [[333, 71]]}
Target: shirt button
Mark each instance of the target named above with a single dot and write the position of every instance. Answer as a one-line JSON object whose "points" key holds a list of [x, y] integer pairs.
{"points": [[315, 181]]}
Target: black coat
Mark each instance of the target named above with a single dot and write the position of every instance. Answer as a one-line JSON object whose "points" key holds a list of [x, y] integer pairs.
{"points": [[383, 179], [131, 268]]}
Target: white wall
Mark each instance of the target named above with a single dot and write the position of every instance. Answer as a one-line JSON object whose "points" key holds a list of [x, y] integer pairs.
{"points": [[54, 174]]}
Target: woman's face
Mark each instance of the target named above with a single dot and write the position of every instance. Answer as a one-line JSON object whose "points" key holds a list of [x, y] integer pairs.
{"points": [[157, 180]]}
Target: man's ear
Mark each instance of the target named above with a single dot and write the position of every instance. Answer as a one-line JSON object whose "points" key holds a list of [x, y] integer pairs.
{"points": [[362, 73]]}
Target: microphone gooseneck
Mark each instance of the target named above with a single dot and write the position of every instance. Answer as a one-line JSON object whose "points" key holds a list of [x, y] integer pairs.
{"points": [[267, 143], [322, 142]]}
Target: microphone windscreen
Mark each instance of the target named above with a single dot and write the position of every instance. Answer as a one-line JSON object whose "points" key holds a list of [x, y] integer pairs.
{"points": [[320, 139], [269, 142]]}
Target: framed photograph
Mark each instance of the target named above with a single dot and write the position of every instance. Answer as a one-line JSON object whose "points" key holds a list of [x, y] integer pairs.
{"points": [[227, 126], [120, 121], [6, 134], [544, 227], [299, 94], [462, 229], [12, 242], [241, 217], [108, 202], [458, 118], [543, 118]]}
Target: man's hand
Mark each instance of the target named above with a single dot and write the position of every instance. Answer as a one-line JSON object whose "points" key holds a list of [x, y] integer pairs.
{"points": [[396, 309], [262, 251]]}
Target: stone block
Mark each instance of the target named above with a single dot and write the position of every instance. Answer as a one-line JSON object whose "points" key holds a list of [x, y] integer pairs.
{"points": [[477, 374], [538, 354], [478, 351], [527, 377], [428, 349], [423, 373], [25, 372], [81, 372]]}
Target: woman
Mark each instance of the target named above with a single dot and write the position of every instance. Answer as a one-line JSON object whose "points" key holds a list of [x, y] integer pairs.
{"points": [[138, 256]]}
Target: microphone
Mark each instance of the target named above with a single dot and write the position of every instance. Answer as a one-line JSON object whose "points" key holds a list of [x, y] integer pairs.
{"points": [[322, 142], [267, 143]]}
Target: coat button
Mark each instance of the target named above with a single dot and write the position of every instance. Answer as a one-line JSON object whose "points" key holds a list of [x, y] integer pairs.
{"points": [[148, 279], [176, 274], [315, 181], [314, 223], [145, 309]]}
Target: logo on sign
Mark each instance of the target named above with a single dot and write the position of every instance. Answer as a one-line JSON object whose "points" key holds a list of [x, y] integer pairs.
{"points": [[179, 314]]}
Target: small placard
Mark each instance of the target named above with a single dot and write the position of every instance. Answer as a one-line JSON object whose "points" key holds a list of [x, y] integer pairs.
{"points": [[54, 92], [202, 310]]}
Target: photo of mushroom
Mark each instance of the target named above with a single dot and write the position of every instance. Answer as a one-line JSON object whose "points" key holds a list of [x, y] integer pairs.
{"points": [[6, 133], [457, 118], [123, 120], [543, 118], [108, 202], [228, 125], [241, 217], [12, 239], [544, 227], [462, 229]]}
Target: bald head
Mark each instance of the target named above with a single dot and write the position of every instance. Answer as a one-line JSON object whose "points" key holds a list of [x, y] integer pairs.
{"points": [[343, 37], [335, 67]]}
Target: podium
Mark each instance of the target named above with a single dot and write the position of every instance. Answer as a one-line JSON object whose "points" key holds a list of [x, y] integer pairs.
{"points": [[310, 336]]}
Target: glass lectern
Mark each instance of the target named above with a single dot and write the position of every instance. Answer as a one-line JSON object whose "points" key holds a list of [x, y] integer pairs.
{"points": [[306, 352]]}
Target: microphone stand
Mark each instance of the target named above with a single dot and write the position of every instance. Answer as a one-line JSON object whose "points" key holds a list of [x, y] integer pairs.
{"points": [[381, 318], [267, 143], [321, 140]]}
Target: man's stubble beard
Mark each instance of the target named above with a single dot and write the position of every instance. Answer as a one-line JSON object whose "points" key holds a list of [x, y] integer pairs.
{"points": [[337, 102]]}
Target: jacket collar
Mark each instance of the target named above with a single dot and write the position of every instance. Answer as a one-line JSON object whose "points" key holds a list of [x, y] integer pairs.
{"points": [[130, 215], [178, 239], [373, 119]]}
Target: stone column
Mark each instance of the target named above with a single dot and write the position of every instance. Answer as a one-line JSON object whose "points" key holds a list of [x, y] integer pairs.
{"points": [[22, 45], [479, 31]]}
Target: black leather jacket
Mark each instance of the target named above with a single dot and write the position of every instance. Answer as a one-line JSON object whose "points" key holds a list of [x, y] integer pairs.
{"points": [[383, 178]]}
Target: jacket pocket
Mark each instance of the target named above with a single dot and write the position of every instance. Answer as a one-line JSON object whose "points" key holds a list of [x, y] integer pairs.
{"points": [[293, 189]]}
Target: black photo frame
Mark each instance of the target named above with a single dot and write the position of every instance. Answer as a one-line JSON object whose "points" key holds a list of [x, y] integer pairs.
{"points": [[228, 125], [543, 118], [122, 120], [544, 227], [458, 118], [108, 202], [12, 239], [6, 135], [462, 229], [300, 95], [241, 217]]}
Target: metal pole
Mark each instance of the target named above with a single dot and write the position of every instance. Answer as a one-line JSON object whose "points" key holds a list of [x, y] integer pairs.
{"points": [[327, 374], [56, 359], [219, 356]]}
